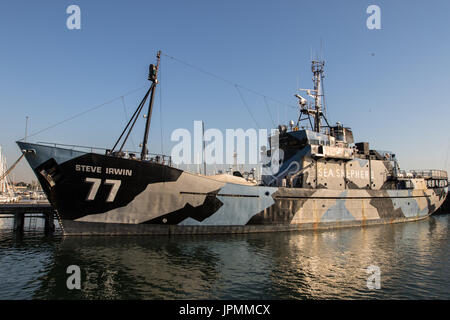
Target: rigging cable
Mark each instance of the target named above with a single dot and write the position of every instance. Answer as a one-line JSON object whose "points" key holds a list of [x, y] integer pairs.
{"points": [[135, 117], [12, 167], [84, 112], [228, 81], [270, 114], [248, 109], [126, 118]]}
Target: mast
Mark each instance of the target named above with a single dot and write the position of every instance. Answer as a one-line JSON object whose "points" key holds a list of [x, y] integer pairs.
{"points": [[26, 128], [317, 68], [153, 77], [2, 170], [203, 148]]}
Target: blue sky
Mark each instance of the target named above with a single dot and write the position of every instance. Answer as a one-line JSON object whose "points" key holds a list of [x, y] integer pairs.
{"points": [[390, 85]]}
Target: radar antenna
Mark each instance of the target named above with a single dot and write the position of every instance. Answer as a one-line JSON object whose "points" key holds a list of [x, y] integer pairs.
{"points": [[313, 111]]}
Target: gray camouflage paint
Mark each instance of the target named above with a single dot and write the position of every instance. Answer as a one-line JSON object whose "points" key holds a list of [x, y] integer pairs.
{"points": [[250, 208], [289, 207]]}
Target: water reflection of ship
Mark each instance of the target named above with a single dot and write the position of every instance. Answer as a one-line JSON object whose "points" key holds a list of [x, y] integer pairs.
{"points": [[325, 264], [445, 208], [123, 268]]}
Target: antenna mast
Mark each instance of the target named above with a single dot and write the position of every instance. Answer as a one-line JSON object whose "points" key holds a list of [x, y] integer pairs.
{"points": [[317, 67]]}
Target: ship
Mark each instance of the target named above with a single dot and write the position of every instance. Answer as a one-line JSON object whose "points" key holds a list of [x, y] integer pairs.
{"points": [[321, 179]]}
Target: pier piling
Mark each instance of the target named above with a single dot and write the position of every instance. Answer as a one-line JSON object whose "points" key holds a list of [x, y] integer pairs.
{"points": [[19, 219], [18, 211]]}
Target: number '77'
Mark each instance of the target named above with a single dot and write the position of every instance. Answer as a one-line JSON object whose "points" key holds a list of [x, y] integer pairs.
{"points": [[96, 185]]}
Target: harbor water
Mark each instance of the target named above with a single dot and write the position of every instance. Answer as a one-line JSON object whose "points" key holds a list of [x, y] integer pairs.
{"points": [[413, 260]]}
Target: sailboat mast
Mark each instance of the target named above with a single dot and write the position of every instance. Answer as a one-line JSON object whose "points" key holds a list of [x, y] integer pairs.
{"points": [[153, 77], [2, 170]]}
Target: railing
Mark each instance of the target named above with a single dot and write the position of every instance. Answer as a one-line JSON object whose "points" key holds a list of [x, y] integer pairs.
{"points": [[126, 154], [159, 158], [425, 173], [75, 147]]}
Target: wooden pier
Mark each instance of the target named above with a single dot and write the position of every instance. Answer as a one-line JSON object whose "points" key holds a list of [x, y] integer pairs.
{"points": [[19, 210]]}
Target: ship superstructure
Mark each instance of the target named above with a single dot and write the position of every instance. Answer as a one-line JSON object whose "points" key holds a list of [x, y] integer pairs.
{"points": [[317, 155]]}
